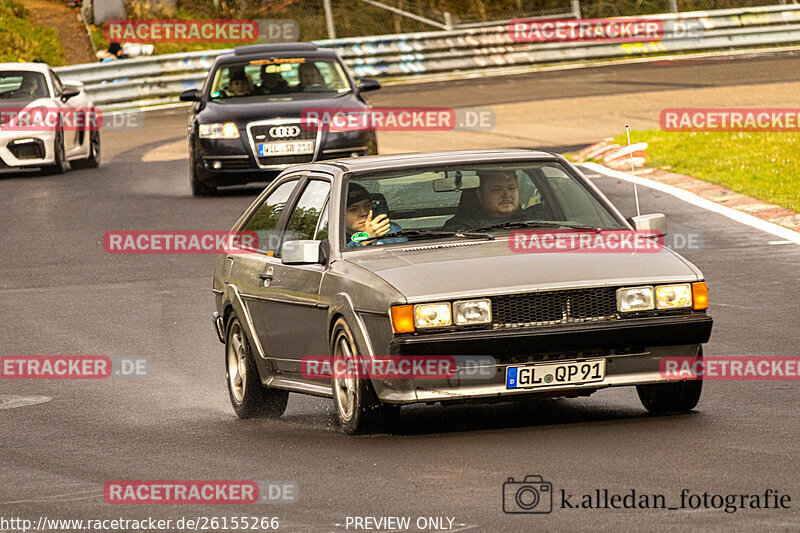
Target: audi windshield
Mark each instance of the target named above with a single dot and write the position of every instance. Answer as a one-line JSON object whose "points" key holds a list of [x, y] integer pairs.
{"points": [[280, 79]]}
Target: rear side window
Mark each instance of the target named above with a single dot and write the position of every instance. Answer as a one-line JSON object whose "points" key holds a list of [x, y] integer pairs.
{"points": [[265, 219]]}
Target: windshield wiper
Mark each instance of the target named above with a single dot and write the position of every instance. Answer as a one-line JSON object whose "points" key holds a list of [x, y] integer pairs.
{"points": [[431, 234], [538, 224]]}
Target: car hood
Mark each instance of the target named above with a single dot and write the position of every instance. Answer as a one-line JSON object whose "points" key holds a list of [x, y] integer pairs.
{"points": [[255, 109], [431, 272]]}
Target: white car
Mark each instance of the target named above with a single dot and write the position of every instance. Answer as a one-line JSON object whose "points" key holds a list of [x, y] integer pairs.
{"points": [[45, 122]]}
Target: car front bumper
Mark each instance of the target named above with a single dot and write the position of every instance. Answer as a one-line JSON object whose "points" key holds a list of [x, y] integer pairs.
{"points": [[26, 149], [632, 349]]}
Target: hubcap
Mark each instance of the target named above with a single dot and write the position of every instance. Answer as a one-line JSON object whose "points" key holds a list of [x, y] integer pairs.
{"points": [[237, 364], [344, 386]]}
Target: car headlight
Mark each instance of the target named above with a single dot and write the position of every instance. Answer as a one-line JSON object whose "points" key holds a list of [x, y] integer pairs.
{"points": [[673, 296], [219, 131], [635, 299], [470, 312], [432, 315]]}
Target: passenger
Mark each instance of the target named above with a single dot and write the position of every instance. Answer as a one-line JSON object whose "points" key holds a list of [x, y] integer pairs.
{"points": [[272, 83], [359, 219], [498, 202], [240, 85], [310, 76]]}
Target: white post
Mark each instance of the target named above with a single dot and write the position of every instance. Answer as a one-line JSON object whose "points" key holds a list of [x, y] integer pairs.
{"points": [[329, 19], [673, 6], [576, 8]]}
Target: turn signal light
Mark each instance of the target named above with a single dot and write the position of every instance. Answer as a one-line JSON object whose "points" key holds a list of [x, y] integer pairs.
{"points": [[700, 295], [403, 318]]}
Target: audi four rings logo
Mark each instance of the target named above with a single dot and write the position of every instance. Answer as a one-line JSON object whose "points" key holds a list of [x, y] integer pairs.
{"points": [[284, 131]]}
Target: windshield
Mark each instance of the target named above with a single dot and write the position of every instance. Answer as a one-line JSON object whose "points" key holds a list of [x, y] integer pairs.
{"points": [[22, 85], [418, 203], [279, 79]]}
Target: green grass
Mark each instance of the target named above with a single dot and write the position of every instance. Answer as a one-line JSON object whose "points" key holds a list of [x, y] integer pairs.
{"points": [[762, 165], [22, 40]]}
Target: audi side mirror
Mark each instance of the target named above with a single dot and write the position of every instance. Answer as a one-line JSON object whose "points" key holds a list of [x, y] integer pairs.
{"points": [[190, 95]]}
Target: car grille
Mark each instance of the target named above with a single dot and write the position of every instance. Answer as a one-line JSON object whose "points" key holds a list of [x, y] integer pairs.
{"points": [[554, 307], [260, 134]]}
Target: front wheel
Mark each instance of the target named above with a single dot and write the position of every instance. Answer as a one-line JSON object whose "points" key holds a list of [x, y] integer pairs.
{"points": [[250, 399], [357, 405], [667, 398], [60, 165], [198, 187]]}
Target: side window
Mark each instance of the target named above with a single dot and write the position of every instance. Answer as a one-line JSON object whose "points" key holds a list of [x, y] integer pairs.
{"points": [[56, 83], [265, 219], [303, 221], [322, 226]]}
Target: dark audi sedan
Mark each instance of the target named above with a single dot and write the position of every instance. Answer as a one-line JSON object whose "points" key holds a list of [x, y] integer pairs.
{"points": [[261, 109], [441, 277]]}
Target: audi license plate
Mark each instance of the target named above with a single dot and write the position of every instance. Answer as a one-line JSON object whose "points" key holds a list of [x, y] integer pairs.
{"points": [[550, 375], [285, 148]]}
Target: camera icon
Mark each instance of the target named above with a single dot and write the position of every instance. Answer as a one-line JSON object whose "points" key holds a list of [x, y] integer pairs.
{"points": [[531, 495]]}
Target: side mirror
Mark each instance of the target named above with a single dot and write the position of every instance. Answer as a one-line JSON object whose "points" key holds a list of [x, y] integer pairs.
{"points": [[303, 253], [368, 84], [656, 222], [69, 91], [190, 95]]}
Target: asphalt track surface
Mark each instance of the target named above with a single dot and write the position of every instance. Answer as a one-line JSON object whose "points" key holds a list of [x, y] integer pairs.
{"points": [[63, 294]]}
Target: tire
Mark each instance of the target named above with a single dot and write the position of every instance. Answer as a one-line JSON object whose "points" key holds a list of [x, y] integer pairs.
{"points": [[198, 187], [60, 166], [250, 399], [671, 398], [93, 160], [357, 405]]}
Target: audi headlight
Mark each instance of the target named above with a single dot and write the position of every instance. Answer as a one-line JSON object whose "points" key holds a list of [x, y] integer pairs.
{"points": [[635, 299], [470, 312], [432, 315], [219, 131], [673, 296]]}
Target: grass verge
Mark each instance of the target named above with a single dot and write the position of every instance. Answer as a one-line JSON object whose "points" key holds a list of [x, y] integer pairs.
{"points": [[22, 40], [762, 165]]}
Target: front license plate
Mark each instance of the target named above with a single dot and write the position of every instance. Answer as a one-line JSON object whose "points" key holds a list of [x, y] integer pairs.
{"points": [[549, 375], [290, 148]]}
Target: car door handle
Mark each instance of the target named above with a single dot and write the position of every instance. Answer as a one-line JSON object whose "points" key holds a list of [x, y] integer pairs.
{"points": [[267, 274]]}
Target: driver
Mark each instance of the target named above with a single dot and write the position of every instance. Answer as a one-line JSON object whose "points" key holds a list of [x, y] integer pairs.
{"points": [[29, 87], [359, 219], [310, 75], [498, 202]]}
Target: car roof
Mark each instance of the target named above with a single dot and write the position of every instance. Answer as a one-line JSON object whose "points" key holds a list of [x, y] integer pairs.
{"points": [[259, 51], [29, 67], [447, 157]]}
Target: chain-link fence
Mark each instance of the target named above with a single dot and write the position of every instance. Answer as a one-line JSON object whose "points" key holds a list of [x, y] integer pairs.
{"points": [[353, 18]]}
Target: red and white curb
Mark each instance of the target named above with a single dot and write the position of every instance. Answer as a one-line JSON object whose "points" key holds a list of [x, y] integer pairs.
{"points": [[773, 219]]}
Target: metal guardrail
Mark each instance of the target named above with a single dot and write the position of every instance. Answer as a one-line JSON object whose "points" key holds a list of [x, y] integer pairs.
{"points": [[153, 80]]}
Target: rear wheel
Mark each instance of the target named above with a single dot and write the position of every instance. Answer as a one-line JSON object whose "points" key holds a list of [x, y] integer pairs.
{"points": [[357, 405], [666, 398], [250, 399], [93, 160]]}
